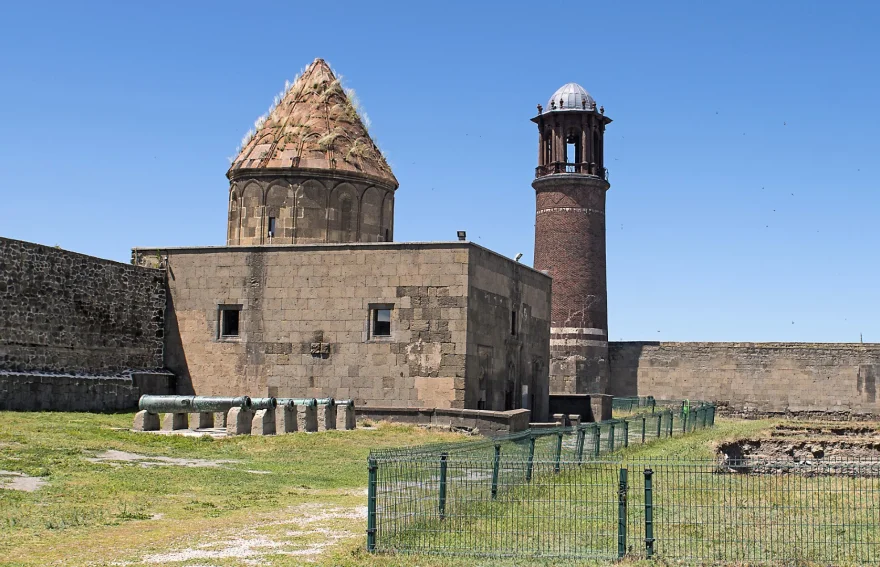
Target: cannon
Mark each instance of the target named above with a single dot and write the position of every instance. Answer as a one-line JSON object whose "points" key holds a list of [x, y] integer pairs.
{"points": [[344, 403], [293, 402], [191, 404], [263, 403], [326, 402]]}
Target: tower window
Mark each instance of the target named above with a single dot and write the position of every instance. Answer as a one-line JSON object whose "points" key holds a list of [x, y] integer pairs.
{"points": [[271, 227], [513, 323], [230, 316]]}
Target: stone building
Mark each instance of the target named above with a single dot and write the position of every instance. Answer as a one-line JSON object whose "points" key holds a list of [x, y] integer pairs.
{"points": [[311, 297], [570, 185], [446, 325]]}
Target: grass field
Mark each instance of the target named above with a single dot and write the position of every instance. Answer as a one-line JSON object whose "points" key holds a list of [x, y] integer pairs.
{"points": [[283, 499], [278, 501]]}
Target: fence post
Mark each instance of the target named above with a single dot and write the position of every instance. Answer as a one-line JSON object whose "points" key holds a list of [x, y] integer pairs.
{"points": [[705, 415], [582, 432], [558, 451], [712, 417], [621, 515], [659, 424], [625, 433], [671, 424], [495, 467], [611, 437], [372, 468], [531, 458], [649, 514], [597, 437], [644, 425], [684, 421], [442, 506]]}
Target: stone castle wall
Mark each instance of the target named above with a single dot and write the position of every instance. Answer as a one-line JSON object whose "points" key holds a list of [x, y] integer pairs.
{"points": [[33, 391], [70, 313], [761, 378], [305, 320]]}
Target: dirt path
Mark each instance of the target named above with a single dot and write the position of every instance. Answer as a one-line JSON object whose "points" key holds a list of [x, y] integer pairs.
{"points": [[303, 531]]}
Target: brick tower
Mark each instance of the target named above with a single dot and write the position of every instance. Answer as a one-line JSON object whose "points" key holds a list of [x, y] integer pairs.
{"points": [[570, 185], [309, 172]]}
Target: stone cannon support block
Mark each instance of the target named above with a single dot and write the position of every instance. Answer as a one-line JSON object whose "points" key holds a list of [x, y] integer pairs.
{"points": [[175, 421], [204, 420], [285, 420], [326, 418], [238, 421], [559, 418], [600, 404], [307, 418], [263, 422], [574, 419], [345, 418], [220, 419], [146, 421]]}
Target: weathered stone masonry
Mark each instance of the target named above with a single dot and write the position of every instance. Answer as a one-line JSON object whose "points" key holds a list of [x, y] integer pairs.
{"points": [[753, 377], [305, 324], [71, 313], [77, 332]]}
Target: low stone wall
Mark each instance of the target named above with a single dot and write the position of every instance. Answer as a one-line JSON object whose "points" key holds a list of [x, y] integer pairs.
{"points": [[753, 378], [30, 391], [489, 423]]}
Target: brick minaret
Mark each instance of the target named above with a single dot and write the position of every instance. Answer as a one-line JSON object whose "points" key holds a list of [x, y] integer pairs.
{"points": [[570, 185]]}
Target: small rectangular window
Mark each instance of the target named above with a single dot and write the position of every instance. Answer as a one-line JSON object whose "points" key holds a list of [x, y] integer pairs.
{"points": [[229, 320], [271, 227], [513, 323], [381, 323]]}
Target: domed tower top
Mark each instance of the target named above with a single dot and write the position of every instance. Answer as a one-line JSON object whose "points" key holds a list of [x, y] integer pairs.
{"points": [[571, 133], [571, 96], [309, 171]]}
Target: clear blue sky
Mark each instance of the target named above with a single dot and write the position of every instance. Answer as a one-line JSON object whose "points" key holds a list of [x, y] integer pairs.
{"points": [[742, 156]]}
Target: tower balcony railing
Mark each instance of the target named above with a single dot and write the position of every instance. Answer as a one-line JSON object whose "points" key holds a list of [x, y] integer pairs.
{"points": [[562, 167]]}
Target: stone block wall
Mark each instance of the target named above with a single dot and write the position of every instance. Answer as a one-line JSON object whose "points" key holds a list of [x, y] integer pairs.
{"points": [[30, 391], [508, 349], [70, 313], [305, 321], [760, 378], [311, 208]]}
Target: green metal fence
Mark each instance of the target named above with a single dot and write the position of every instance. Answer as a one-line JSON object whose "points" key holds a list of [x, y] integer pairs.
{"points": [[565, 493], [422, 498]]}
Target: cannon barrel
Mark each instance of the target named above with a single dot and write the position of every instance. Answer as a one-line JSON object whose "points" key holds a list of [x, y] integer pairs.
{"points": [[217, 403], [326, 402], [263, 403], [292, 402], [191, 404], [345, 403]]}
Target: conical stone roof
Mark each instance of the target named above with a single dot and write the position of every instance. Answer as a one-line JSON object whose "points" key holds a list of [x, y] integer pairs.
{"points": [[314, 126]]}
